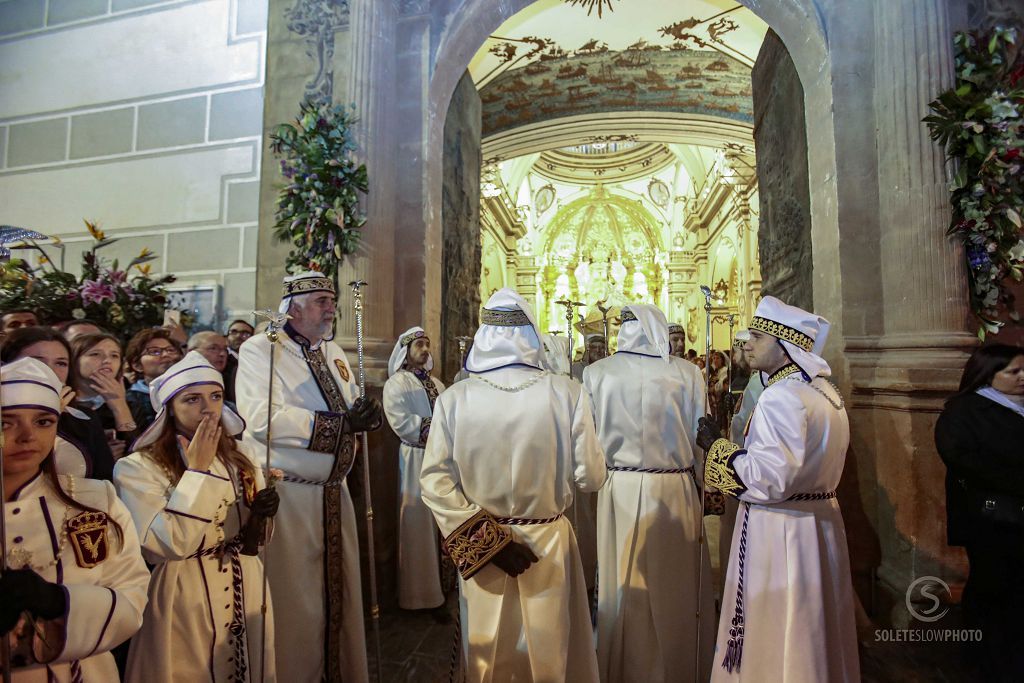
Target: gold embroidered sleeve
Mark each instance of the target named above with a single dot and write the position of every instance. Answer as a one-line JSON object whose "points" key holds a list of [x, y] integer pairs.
{"points": [[475, 542], [718, 469], [327, 430]]}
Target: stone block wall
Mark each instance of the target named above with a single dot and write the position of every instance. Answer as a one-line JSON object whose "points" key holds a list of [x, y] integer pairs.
{"points": [[145, 117]]}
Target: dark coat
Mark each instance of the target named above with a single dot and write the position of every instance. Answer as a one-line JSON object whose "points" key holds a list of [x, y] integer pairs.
{"points": [[982, 445]]}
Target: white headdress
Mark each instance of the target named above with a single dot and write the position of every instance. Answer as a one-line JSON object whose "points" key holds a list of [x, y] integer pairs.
{"points": [[644, 330], [556, 352], [401, 350], [802, 334], [190, 371], [508, 335], [29, 383]]}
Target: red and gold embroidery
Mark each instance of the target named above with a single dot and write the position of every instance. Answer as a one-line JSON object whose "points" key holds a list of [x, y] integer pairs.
{"points": [[475, 542], [88, 534], [342, 369]]}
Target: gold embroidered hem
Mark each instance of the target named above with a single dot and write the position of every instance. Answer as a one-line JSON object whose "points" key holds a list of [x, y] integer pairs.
{"points": [[718, 470], [782, 373], [327, 429], [475, 542], [783, 332]]}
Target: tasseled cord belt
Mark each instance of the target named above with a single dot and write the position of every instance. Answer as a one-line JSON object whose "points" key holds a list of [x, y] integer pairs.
{"points": [[231, 549], [734, 648]]}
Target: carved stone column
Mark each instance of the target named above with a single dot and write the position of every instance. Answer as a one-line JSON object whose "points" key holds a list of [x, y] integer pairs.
{"points": [[901, 378]]}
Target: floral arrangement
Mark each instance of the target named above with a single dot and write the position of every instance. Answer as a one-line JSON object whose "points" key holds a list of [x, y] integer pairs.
{"points": [[980, 122], [318, 210], [124, 300]]}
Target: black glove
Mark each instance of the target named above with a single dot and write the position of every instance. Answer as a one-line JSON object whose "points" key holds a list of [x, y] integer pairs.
{"points": [[514, 558], [707, 433], [23, 590], [728, 403], [365, 415], [265, 502]]}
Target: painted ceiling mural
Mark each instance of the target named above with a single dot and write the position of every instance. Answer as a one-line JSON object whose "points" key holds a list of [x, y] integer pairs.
{"points": [[559, 58]]}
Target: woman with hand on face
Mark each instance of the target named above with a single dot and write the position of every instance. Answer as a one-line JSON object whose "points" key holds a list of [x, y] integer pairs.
{"points": [[82, 447], [76, 583], [98, 366], [980, 436], [201, 507]]}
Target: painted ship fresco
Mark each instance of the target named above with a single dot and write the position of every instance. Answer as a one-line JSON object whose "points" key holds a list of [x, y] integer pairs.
{"points": [[643, 76]]}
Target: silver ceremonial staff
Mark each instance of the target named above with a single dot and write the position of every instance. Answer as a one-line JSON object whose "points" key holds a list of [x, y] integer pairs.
{"points": [[8, 234], [706, 291], [732, 352], [463, 343], [604, 323], [275, 321], [569, 305], [357, 304]]}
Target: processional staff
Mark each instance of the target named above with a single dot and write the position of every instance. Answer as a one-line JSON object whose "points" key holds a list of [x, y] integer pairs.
{"points": [[569, 305], [706, 291], [357, 304]]}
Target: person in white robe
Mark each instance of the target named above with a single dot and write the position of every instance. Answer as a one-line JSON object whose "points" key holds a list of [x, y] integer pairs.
{"points": [[201, 508], [647, 404], [788, 606], [76, 584], [409, 397], [507, 448], [314, 411]]}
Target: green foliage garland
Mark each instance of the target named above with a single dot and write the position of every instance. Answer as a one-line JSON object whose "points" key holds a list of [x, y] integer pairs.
{"points": [[980, 123], [318, 210]]}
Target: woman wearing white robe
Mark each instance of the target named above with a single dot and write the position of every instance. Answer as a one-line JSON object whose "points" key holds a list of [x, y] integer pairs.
{"points": [[647, 404], [788, 607], [203, 621], [409, 408], [507, 448], [88, 550]]}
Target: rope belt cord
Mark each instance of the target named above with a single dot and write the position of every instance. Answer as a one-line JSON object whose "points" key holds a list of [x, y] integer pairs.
{"points": [[231, 549], [734, 647], [299, 480], [413, 445], [527, 521], [651, 470]]}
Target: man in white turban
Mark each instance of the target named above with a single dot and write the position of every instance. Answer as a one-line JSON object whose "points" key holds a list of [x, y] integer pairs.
{"points": [[507, 449], [647, 406], [409, 397], [313, 413], [788, 607]]}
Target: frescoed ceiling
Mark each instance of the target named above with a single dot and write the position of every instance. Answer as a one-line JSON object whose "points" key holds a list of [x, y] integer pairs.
{"points": [[554, 59]]}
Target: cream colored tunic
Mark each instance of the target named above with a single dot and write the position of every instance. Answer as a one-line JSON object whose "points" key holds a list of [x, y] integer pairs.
{"points": [[296, 556], [518, 454], [105, 602], [187, 634], [646, 411], [407, 408], [797, 595]]}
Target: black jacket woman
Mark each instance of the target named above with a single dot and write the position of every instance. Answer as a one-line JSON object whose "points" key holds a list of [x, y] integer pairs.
{"points": [[980, 437]]}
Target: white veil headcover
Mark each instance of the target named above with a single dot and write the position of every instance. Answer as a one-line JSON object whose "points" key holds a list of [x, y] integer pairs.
{"points": [[801, 333], [505, 338], [556, 352], [190, 371], [401, 350], [644, 330]]}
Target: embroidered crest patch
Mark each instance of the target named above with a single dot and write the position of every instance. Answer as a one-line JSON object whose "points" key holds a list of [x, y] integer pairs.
{"points": [[88, 535], [342, 369]]}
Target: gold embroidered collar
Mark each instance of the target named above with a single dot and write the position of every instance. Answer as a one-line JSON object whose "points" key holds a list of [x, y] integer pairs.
{"points": [[782, 373], [497, 318]]}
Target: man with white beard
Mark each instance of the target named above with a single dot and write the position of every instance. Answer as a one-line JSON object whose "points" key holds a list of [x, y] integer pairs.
{"points": [[409, 397], [507, 449], [313, 559], [788, 607], [647, 405]]}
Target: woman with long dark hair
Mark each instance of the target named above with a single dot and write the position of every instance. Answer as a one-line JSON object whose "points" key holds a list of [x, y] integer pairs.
{"points": [[201, 508], [97, 361], [76, 586], [980, 436], [82, 448]]}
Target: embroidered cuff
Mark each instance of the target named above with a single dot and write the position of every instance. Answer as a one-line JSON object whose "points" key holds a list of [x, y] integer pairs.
{"points": [[718, 469], [424, 431], [327, 427], [475, 542]]}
